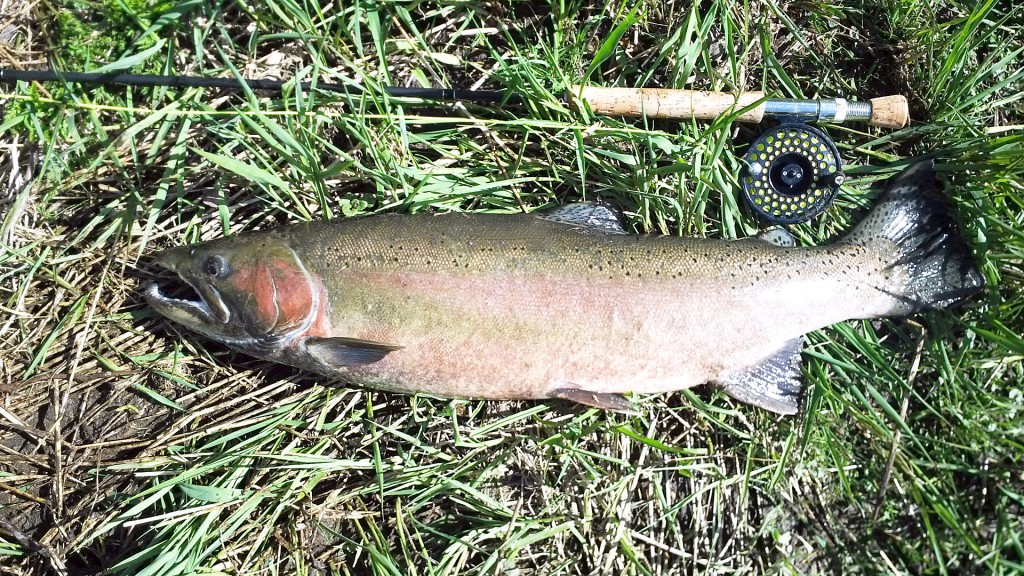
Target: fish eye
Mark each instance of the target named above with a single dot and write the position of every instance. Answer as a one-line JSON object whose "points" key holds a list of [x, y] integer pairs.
{"points": [[215, 266]]}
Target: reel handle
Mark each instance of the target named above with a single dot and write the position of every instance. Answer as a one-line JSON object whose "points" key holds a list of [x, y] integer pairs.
{"points": [[667, 102]]}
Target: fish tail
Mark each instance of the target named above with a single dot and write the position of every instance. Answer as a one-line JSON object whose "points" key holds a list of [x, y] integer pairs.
{"points": [[924, 254]]}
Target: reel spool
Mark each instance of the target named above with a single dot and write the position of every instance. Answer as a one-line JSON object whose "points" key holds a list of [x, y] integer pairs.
{"points": [[793, 173]]}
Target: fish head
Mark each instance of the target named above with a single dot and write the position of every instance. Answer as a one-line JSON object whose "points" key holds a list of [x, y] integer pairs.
{"points": [[249, 293]]}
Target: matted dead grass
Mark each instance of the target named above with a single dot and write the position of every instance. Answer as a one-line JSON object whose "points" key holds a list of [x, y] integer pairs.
{"points": [[131, 446]]}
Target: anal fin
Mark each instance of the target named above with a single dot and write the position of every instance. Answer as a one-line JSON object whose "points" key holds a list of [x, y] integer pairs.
{"points": [[341, 352], [772, 384], [602, 400]]}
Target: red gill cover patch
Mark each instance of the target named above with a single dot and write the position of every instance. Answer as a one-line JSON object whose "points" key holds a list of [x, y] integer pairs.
{"points": [[294, 289], [280, 292]]}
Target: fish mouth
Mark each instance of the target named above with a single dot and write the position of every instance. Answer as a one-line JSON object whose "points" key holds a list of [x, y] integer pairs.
{"points": [[206, 308]]}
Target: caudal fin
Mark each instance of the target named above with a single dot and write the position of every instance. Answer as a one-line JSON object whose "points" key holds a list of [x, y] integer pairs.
{"points": [[913, 229]]}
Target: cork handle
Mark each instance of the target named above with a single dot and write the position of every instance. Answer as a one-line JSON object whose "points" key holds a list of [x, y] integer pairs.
{"points": [[889, 112], [668, 103]]}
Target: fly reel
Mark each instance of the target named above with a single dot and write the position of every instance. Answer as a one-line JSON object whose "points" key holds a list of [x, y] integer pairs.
{"points": [[793, 173]]}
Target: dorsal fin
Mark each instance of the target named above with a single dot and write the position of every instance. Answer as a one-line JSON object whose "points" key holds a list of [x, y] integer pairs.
{"points": [[593, 216], [779, 237]]}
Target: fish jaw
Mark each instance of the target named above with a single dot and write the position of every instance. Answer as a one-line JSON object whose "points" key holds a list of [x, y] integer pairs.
{"points": [[208, 315], [191, 313]]}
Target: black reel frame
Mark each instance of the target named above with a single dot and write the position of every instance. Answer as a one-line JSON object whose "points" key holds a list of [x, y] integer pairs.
{"points": [[793, 172]]}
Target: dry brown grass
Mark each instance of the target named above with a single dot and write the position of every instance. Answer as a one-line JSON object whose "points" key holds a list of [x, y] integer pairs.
{"points": [[121, 435]]}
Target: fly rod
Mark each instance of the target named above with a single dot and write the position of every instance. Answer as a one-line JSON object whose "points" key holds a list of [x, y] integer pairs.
{"points": [[885, 112], [793, 171]]}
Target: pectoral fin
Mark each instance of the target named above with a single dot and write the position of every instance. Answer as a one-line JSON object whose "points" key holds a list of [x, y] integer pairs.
{"points": [[341, 352], [772, 384], [602, 400]]}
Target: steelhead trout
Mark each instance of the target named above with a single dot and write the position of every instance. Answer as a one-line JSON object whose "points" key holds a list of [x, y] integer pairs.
{"points": [[563, 304]]}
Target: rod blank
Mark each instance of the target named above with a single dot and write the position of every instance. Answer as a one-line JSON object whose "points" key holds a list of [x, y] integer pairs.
{"points": [[7, 76]]}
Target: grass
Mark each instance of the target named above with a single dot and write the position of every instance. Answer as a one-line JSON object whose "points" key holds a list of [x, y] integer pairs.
{"points": [[131, 447]]}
